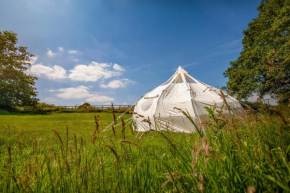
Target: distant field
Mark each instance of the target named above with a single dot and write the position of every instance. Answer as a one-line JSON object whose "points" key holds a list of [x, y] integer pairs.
{"points": [[40, 126], [234, 155]]}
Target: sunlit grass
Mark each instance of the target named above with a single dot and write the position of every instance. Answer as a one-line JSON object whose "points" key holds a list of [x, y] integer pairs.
{"points": [[232, 156]]}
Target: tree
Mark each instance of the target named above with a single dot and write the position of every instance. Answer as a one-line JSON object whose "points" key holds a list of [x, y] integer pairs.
{"points": [[263, 66], [85, 106], [16, 86]]}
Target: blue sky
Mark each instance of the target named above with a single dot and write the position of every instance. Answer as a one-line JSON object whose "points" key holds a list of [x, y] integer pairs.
{"points": [[116, 51]]}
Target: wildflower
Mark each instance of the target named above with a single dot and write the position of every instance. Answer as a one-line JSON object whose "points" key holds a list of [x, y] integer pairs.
{"points": [[251, 189], [200, 187], [201, 178], [205, 146], [54, 164]]}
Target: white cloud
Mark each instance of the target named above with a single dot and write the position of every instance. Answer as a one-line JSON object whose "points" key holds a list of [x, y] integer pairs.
{"points": [[74, 92], [50, 53], [74, 52], [81, 92], [55, 72], [93, 72], [89, 73], [118, 67], [51, 90], [48, 100], [33, 59], [74, 59], [61, 49], [100, 98], [114, 84]]}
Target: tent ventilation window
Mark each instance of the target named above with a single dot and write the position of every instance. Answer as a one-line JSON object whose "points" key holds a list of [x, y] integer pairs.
{"points": [[178, 79], [146, 104]]}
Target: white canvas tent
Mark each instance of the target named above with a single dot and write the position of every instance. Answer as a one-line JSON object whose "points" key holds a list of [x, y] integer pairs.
{"points": [[184, 92]]}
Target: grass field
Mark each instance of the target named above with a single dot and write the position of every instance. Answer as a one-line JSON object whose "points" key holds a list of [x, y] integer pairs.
{"points": [[234, 155], [39, 127]]}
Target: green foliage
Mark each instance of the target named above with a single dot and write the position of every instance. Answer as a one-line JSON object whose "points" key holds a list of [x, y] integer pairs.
{"points": [[257, 106], [44, 108], [4, 112], [44, 105], [264, 64], [85, 106], [16, 86], [249, 152]]}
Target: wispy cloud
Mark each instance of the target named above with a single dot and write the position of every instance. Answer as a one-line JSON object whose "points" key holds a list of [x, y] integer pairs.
{"points": [[226, 48], [224, 52], [118, 67], [214, 50], [207, 54], [114, 84], [49, 100], [74, 52], [190, 64], [142, 67], [50, 53], [102, 50], [73, 58], [61, 49], [233, 43], [51, 90]]}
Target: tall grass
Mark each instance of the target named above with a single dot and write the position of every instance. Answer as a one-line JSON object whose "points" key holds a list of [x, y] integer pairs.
{"points": [[238, 154]]}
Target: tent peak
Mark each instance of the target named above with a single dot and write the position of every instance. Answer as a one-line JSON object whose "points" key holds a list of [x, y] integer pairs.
{"points": [[181, 70]]}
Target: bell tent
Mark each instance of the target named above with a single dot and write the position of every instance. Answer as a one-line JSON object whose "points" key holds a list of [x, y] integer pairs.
{"points": [[162, 107]]}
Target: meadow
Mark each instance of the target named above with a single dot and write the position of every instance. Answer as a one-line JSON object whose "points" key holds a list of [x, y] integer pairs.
{"points": [[68, 152]]}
